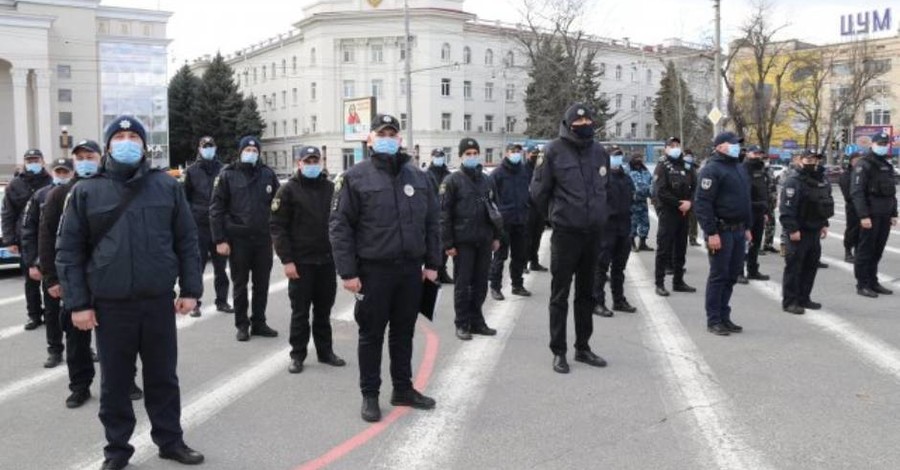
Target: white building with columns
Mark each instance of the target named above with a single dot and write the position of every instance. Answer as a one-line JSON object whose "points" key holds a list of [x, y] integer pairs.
{"points": [[74, 65]]}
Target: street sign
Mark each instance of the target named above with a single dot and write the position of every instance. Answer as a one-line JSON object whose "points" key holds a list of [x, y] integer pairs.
{"points": [[715, 116]]}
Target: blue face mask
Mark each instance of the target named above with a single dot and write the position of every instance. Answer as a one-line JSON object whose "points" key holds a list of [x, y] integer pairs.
{"points": [[438, 161], [34, 168], [689, 159], [734, 150], [880, 150], [471, 162], [208, 153], [386, 145], [249, 158], [57, 181], [127, 152], [515, 158], [615, 161], [86, 168], [674, 153], [311, 171]]}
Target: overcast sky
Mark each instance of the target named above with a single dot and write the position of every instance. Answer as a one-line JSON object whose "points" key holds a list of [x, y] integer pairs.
{"points": [[203, 26]]}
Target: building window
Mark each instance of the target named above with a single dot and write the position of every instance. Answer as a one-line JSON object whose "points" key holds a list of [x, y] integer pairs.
{"points": [[347, 55], [65, 118], [467, 90], [634, 102], [445, 53], [65, 95], [349, 88], [649, 77], [402, 121], [488, 57], [284, 99], [489, 91], [313, 123], [510, 92], [294, 65], [601, 70], [489, 123], [125, 29], [295, 98], [312, 56], [648, 131], [445, 121], [148, 30], [312, 91], [634, 74], [510, 59], [618, 101], [618, 129], [376, 53], [264, 72], [64, 71], [445, 87], [467, 55], [511, 124], [296, 127], [403, 51], [348, 155], [377, 88], [283, 67], [255, 77], [619, 73], [402, 87], [246, 78], [489, 155], [274, 128], [878, 117], [274, 72], [633, 133], [274, 101], [467, 122]]}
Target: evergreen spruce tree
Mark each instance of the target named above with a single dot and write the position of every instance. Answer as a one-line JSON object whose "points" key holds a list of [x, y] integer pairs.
{"points": [[217, 107], [249, 121], [183, 89], [677, 115], [587, 91]]}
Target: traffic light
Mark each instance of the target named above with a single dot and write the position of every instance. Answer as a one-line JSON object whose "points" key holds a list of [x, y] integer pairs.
{"points": [[843, 135]]}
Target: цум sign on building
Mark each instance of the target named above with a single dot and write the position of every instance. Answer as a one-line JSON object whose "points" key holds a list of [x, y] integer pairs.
{"points": [[867, 22]]}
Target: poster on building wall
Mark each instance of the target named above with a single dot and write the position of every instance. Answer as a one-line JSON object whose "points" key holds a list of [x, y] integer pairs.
{"points": [[357, 118], [862, 135]]}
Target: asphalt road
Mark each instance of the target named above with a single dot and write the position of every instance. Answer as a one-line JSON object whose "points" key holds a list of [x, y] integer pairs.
{"points": [[818, 391]]}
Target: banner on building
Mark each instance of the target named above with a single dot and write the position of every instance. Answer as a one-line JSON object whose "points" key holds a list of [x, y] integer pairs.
{"points": [[862, 135], [357, 118]]}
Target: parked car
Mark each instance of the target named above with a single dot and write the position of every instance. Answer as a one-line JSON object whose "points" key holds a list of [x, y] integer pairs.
{"points": [[7, 257]]}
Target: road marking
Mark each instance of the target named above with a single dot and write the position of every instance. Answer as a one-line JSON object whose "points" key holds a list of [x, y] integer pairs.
{"points": [[887, 248], [691, 379], [848, 267]]}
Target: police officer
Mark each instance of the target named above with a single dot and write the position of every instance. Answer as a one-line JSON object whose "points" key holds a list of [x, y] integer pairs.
{"points": [[759, 201], [469, 236], [62, 172], [693, 233], [382, 263], [674, 186], [438, 171], [299, 229], [640, 211], [722, 204], [198, 187], [615, 247], [118, 278], [768, 245], [79, 356], [18, 192], [239, 218], [570, 186], [511, 178], [806, 206], [851, 231], [874, 196], [536, 221]]}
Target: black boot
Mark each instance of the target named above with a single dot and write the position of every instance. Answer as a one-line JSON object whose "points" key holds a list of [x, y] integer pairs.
{"points": [[644, 246], [634, 245], [848, 256]]}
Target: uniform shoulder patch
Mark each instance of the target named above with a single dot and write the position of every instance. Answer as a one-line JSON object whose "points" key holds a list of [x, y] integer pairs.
{"points": [[443, 188], [276, 204], [216, 182], [789, 192], [339, 183], [706, 183]]}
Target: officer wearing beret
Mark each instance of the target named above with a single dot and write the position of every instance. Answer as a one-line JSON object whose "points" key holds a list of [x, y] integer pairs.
{"points": [[536, 222], [469, 236], [118, 269], [239, 218], [570, 187], [385, 233], [299, 229], [874, 195], [198, 187], [759, 200], [511, 179], [438, 171], [16, 196], [673, 185], [62, 170], [722, 204]]}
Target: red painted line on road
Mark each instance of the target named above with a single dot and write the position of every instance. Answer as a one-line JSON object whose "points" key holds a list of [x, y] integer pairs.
{"points": [[423, 376]]}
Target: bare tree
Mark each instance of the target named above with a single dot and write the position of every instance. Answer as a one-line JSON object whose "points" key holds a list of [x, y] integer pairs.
{"points": [[736, 108], [811, 73]]}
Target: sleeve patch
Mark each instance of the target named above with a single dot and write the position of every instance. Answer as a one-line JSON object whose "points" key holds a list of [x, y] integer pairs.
{"points": [[706, 183], [276, 204]]}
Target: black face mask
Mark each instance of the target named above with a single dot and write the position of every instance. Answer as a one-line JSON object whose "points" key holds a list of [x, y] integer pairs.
{"points": [[810, 167], [585, 131]]}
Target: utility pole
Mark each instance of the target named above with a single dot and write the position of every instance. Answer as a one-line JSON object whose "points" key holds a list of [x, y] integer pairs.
{"points": [[408, 71], [718, 7]]}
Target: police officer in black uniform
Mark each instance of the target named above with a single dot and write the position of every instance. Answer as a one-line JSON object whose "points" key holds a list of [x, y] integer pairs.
{"points": [[385, 232], [759, 200], [118, 278], [438, 171], [198, 187], [511, 178], [299, 228], [536, 222], [874, 195], [616, 244], [79, 356], [722, 205], [17, 195], [674, 186], [62, 170], [469, 236], [851, 231], [570, 185], [806, 206], [239, 218]]}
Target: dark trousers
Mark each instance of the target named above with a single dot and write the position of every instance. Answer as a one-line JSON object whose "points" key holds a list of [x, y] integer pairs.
{"points": [[514, 247], [78, 354], [801, 263], [614, 253], [851, 232], [33, 296], [250, 259], [536, 225], [671, 245], [573, 254], [869, 250], [390, 296], [316, 288], [470, 270], [724, 268], [693, 227], [758, 231], [219, 262], [129, 328], [51, 319]]}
